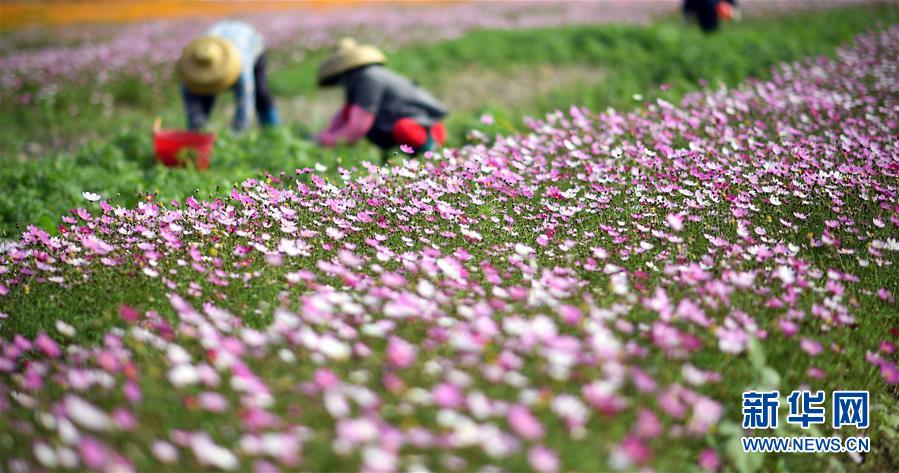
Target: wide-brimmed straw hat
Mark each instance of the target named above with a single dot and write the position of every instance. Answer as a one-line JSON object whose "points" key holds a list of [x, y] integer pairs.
{"points": [[209, 65], [347, 56]]}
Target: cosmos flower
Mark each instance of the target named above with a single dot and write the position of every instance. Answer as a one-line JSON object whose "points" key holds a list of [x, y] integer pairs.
{"points": [[600, 270]]}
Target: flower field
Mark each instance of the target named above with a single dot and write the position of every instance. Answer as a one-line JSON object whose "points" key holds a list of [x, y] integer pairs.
{"points": [[591, 294], [142, 47], [97, 139]]}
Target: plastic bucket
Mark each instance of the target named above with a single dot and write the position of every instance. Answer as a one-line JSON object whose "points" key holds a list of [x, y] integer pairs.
{"points": [[181, 148]]}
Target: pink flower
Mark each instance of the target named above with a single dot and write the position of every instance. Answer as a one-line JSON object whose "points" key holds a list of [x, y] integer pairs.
{"points": [[811, 347], [447, 395], [393, 280], [570, 314], [123, 419], [400, 353], [132, 391], [788, 327], [262, 466], [675, 221], [392, 382], [643, 381], [46, 344], [357, 431], [213, 402], [93, 453], [816, 373], [128, 313], [553, 192], [708, 460], [732, 340], [890, 372], [407, 149], [648, 425], [164, 451], [706, 413], [96, 245], [524, 423], [543, 459], [325, 378], [670, 402], [635, 450]]}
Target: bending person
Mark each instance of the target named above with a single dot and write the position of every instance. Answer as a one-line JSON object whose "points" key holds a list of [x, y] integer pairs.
{"points": [[709, 13], [381, 105], [231, 55]]}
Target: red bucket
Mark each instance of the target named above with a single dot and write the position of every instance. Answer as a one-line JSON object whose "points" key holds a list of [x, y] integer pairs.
{"points": [[179, 148]]}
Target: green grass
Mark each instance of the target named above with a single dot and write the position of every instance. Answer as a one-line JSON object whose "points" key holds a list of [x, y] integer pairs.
{"points": [[632, 59]]}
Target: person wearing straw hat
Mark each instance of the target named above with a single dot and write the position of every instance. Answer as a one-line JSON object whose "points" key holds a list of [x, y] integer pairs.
{"points": [[230, 56], [381, 105], [709, 13]]}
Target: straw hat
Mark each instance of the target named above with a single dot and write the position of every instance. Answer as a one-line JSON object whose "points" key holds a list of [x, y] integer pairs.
{"points": [[348, 56], [209, 65]]}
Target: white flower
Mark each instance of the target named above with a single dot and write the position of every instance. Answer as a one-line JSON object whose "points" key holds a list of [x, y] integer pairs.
{"points": [[164, 451], [450, 267], [184, 375], [426, 289], [45, 455], [619, 284], [67, 432], [67, 457], [336, 404], [209, 453], [335, 349], [65, 329], [523, 250], [86, 414], [177, 355], [376, 459], [786, 275], [91, 196], [570, 407]]}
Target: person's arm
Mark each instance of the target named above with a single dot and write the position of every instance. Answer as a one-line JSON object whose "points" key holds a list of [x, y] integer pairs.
{"points": [[197, 115], [339, 118], [364, 93], [349, 126], [244, 95]]}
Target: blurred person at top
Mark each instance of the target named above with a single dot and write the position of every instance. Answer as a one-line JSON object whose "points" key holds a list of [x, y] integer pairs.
{"points": [[710, 13], [381, 105], [230, 56]]}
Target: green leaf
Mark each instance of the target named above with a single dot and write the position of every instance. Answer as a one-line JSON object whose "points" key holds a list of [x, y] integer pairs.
{"points": [[745, 462], [756, 354]]}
